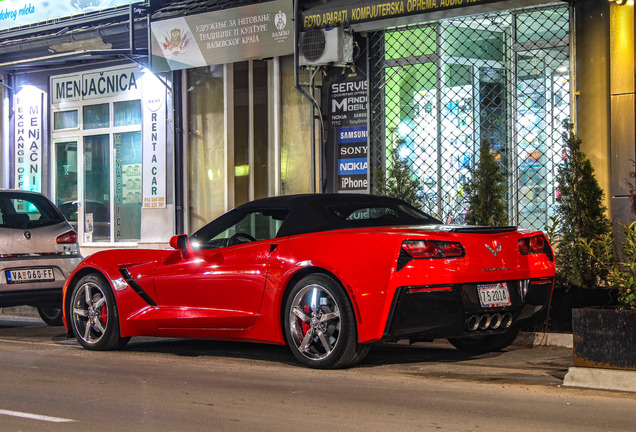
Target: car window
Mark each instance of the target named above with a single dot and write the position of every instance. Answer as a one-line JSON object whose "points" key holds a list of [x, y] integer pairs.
{"points": [[365, 215], [27, 211], [240, 227]]}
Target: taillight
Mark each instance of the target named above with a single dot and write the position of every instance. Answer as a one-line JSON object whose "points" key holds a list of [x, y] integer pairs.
{"points": [[432, 249], [67, 238], [532, 245]]}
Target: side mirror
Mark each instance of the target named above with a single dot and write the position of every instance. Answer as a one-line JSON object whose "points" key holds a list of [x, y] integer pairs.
{"points": [[181, 242]]}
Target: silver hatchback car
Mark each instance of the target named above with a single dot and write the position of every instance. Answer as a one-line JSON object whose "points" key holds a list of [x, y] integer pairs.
{"points": [[38, 250]]}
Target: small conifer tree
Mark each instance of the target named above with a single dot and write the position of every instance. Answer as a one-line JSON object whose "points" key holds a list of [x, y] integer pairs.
{"points": [[485, 191], [399, 181], [581, 214]]}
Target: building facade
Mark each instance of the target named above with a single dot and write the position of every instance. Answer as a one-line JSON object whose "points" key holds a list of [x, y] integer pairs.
{"points": [[443, 76], [143, 119]]}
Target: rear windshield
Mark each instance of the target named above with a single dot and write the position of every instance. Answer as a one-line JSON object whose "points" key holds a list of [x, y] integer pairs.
{"points": [[27, 211], [392, 214]]}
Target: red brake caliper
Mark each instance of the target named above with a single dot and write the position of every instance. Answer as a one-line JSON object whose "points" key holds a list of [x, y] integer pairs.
{"points": [[305, 325], [103, 314]]}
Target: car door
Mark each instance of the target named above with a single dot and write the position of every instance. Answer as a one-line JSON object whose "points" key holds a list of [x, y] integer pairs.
{"points": [[219, 282]]}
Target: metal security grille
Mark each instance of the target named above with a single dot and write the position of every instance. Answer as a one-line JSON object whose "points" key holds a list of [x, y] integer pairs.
{"points": [[438, 89]]}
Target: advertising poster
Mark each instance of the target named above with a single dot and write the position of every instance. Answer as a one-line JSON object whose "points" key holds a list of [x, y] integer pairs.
{"points": [[348, 121]]}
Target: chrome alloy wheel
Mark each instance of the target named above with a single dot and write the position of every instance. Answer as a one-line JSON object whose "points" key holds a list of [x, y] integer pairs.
{"points": [[314, 322], [90, 313]]}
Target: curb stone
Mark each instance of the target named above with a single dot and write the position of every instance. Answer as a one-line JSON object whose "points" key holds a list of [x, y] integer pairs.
{"points": [[601, 379], [544, 339]]}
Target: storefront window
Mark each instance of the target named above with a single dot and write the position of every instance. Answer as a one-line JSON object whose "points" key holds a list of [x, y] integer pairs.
{"points": [[261, 129], [230, 159], [65, 120], [96, 116], [127, 186], [98, 162], [439, 89], [96, 188], [206, 141], [295, 164], [127, 113], [65, 154]]}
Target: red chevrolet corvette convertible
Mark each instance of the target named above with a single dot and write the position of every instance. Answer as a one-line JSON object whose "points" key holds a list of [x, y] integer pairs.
{"points": [[328, 275]]}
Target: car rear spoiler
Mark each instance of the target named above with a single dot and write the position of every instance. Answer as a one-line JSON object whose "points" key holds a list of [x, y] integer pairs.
{"points": [[483, 229]]}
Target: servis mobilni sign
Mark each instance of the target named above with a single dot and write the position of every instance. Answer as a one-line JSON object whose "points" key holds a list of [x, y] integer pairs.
{"points": [[18, 13]]}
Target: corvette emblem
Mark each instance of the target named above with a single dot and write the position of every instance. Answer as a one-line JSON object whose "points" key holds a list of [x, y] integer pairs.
{"points": [[495, 250]]}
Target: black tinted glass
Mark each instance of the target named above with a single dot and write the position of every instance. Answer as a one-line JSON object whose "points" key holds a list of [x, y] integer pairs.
{"points": [[27, 211], [371, 215]]}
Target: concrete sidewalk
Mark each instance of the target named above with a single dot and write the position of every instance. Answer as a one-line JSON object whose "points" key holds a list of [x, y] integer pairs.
{"points": [[593, 378]]}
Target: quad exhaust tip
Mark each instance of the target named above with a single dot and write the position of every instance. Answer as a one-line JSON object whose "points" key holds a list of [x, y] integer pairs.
{"points": [[489, 321]]}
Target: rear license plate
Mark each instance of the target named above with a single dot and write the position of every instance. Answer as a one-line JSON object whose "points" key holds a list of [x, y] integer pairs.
{"points": [[494, 295], [30, 275]]}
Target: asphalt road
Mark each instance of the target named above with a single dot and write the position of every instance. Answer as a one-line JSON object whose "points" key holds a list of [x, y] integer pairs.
{"points": [[49, 383]]}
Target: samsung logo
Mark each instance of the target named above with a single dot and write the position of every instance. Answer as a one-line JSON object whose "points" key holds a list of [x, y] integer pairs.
{"points": [[353, 134]]}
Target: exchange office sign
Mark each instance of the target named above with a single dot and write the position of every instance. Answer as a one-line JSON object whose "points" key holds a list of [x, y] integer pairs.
{"points": [[340, 15], [95, 85], [28, 139], [250, 32], [17, 13]]}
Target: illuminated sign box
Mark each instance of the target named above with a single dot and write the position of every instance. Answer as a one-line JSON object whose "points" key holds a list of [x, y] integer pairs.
{"points": [[18, 13]]}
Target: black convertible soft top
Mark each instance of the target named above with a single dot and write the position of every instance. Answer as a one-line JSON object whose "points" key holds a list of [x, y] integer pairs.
{"points": [[326, 212]]}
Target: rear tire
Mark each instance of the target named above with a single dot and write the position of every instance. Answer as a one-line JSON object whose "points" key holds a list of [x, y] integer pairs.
{"points": [[51, 315], [320, 326], [484, 344], [93, 314]]}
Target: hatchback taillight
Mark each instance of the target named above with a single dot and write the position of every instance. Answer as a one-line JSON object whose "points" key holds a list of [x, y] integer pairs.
{"points": [[432, 249], [67, 238]]}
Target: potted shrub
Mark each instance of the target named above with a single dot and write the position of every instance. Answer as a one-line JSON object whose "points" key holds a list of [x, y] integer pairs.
{"points": [[581, 214], [606, 336]]}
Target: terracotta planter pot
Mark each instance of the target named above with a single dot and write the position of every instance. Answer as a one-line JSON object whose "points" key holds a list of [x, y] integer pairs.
{"points": [[604, 338]]}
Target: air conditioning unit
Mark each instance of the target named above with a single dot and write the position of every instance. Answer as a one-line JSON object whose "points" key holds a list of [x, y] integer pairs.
{"points": [[319, 47]]}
